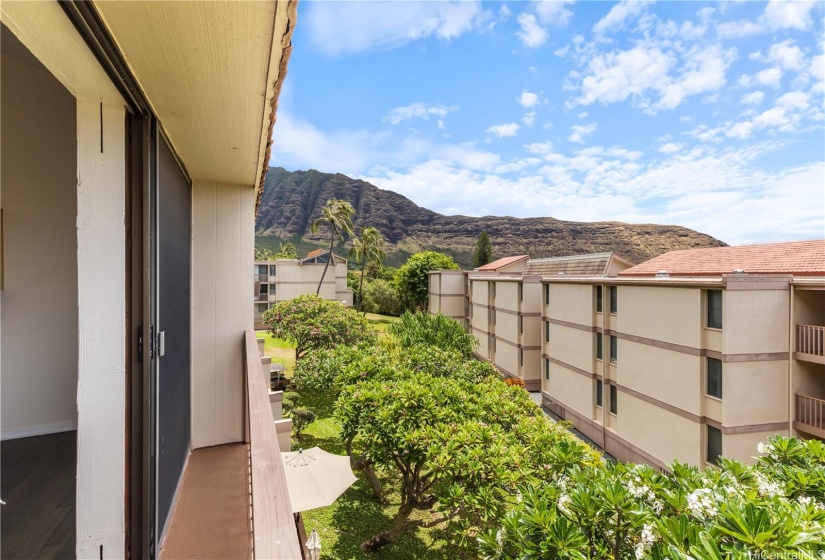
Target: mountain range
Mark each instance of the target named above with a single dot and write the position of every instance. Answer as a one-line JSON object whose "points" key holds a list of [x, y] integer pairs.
{"points": [[292, 200]]}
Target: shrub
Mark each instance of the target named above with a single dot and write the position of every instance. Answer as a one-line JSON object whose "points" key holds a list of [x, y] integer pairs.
{"points": [[301, 419], [311, 322], [415, 329], [380, 296], [412, 280], [289, 401], [514, 382]]}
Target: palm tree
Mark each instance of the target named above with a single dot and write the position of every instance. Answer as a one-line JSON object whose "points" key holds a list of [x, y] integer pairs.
{"points": [[368, 249], [338, 214]]}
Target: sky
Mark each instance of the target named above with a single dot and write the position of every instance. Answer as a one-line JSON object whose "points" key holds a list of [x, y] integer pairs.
{"points": [[706, 115]]}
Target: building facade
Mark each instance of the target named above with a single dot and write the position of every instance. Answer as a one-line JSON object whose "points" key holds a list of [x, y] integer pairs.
{"points": [[689, 356], [285, 279], [135, 139]]}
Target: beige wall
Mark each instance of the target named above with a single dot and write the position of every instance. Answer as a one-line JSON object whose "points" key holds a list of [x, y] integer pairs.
{"points": [[755, 320], [572, 303], [661, 313], [755, 392], [222, 257], [39, 201]]}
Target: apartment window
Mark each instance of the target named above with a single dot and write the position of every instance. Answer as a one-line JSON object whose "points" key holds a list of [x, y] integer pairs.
{"points": [[599, 303], [547, 294], [714, 309], [614, 405], [494, 344], [264, 288], [493, 290], [614, 349], [521, 292], [614, 299], [715, 378], [547, 369], [521, 357], [547, 331], [261, 269], [599, 393], [272, 270], [493, 312], [260, 308], [521, 324], [714, 445], [599, 346]]}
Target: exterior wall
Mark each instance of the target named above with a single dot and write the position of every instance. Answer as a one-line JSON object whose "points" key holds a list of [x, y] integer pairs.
{"points": [[101, 241], [39, 299], [222, 256]]}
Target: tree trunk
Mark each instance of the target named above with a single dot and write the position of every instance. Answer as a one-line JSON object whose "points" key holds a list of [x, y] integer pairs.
{"points": [[399, 527], [365, 466], [329, 258], [361, 285]]}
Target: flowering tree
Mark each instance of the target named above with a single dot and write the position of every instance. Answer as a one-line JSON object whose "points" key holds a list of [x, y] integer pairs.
{"points": [[772, 509], [311, 322]]}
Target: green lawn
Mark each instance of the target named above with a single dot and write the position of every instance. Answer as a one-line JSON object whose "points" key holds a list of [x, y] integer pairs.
{"points": [[380, 322], [281, 352]]}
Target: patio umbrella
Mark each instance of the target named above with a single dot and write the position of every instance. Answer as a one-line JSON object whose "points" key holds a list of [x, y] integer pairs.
{"points": [[315, 478]]}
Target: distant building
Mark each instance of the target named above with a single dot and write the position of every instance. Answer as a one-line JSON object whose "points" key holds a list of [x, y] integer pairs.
{"points": [[689, 356], [285, 279]]}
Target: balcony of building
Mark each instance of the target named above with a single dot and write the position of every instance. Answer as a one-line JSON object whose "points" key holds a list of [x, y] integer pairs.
{"points": [[809, 415], [810, 343]]}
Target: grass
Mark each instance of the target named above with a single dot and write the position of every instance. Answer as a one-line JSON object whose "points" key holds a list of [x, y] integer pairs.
{"points": [[281, 352], [380, 322]]}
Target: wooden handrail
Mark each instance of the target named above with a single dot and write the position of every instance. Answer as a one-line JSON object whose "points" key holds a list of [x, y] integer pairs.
{"points": [[810, 339], [273, 524], [810, 411]]}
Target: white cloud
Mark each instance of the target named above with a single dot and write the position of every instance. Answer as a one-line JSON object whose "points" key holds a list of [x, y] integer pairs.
{"points": [[504, 12], [540, 148], [670, 147], [532, 34], [529, 118], [417, 110], [528, 99], [337, 28], [753, 98], [504, 130], [703, 70], [579, 132], [616, 75], [553, 12], [771, 77], [778, 14], [618, 15], [787, 55]]}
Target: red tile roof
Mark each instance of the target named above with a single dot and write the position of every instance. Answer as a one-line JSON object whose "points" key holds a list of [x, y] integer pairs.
{"points": [[800, 258], [495, 265], [316, 253]]}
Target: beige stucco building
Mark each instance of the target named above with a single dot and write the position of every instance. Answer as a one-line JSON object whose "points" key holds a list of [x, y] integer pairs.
{"points": [[284, 279], [687, 356]]}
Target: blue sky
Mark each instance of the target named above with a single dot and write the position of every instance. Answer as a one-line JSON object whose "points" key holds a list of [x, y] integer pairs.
{"points": [[707, 115]]}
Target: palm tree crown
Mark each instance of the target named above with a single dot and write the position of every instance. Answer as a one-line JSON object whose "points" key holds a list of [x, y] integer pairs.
{"points": [[338, 214], [368, 249]]}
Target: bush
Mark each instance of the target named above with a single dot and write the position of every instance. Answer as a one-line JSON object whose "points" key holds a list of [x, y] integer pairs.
{"points": [[514, 382], [301, 419], [311, 322], [289, 401], [415, 329], [380, 296]]}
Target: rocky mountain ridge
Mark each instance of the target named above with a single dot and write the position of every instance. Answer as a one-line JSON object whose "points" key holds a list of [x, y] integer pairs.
{"points": [[292, 200]]}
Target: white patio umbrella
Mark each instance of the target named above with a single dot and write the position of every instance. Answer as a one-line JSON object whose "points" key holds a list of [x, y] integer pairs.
{"points": [[315, 478]]}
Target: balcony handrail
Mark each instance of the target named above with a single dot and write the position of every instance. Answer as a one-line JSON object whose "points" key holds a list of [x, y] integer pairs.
{"points": [[810, 411], [274, 531], [810, 339]]}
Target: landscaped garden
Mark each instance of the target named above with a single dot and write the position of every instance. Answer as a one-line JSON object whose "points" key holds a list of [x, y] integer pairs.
{"points": [[454, 463]]}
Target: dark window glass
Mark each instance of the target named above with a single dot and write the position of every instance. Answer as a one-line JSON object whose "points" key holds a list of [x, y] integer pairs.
{"points": [[614, 299], [614, 349], [599, 346], [272, 270], [715, 309], [521, 292], [599, 392], [714, 445], [521, 325], [547, 294], [714, 378], [598, 299], [614, 405], [521, 357], [547, 331], [547, 369], [264, 288]]}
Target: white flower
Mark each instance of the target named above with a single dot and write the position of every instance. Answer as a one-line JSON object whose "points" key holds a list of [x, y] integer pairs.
{"points": [[564, 499], [767, 487], [701, 503], [646, 540], [762, 448], [500, 537]]}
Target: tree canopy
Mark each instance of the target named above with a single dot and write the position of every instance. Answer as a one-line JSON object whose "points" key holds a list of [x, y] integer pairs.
{"points": [[337, 214], [412, 280], [483, 253], [311, 322]]}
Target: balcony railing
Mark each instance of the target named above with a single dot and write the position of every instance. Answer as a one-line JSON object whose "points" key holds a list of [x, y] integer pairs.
{"points": [[809, 415], [262, 297], [274, 532], [810, 343], [262, 277]]}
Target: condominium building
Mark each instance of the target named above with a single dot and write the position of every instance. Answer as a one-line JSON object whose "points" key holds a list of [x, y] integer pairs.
{"points": [[692, 355], [284, 279]]}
